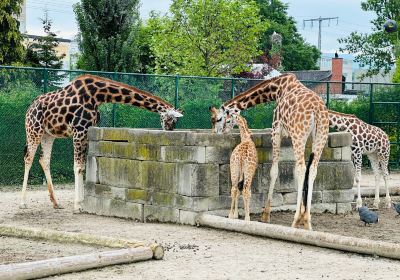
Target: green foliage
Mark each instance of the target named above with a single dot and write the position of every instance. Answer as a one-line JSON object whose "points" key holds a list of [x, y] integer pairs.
{"points": [[375, 50], [108, 32], [42, 53], [14, 101], [396, 75], [296, 53], [206, 37], [11, 48]]}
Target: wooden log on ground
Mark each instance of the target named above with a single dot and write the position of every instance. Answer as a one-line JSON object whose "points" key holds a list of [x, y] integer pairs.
{"points": [[74, 237], [316, 238], [44, 268]]}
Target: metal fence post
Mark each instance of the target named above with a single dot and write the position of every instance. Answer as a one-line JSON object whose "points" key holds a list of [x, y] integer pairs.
{"points": [[176, 91], [327, 94], [371, 104], [233, 88], [114, 107], [45, 80]]}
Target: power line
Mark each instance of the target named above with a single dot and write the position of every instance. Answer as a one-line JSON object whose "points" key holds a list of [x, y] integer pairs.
{"points": [[320, 20]]}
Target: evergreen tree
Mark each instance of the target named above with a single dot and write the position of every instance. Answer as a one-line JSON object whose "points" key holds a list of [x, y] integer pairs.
{"points": [[11, 48], [42, 53], [108, 35]]}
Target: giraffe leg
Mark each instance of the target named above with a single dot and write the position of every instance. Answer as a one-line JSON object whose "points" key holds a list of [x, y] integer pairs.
{"points": [[80, 145], [357, 159], [235, 173], [246, 200], [47, 144], [29, 156], [375, 167], [247, 195], [276, 145], [299, 174], [385, 172]]}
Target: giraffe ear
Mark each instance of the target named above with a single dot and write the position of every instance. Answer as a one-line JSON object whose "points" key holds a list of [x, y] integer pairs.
{"points": [[176, 114]]}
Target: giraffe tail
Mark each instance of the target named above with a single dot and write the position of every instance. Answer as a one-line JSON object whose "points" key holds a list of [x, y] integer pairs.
{"points": [[305, 185], [25, 150], [241, 179]]}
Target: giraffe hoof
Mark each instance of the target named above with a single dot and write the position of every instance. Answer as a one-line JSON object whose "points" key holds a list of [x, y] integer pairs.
{"points": [[58, 206], [265, 218], [247, 219], [23, 206]]}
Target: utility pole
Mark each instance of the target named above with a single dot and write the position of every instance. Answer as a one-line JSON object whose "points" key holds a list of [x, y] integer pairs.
{"points": [[320, 20]]}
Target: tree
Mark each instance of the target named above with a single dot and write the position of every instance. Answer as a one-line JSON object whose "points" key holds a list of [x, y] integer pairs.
{"points": [[108, 31], [206, 37], [42, 53], [11, 48], [296, 53], [375, 50]]}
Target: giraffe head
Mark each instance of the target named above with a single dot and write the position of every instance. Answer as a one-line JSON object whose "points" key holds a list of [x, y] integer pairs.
{"points": [[223, 119], [169, 118]]}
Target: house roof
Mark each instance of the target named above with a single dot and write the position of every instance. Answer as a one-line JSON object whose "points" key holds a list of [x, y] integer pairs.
{"points": [[312, 75]]}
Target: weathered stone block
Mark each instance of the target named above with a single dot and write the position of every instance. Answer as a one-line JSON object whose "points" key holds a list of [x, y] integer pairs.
{"points": [[343, 208], [89, 204], [224, 179], [124, 209], [334, 176], [187, 217], [120, 173], [285, 180], [118, 193], [116, 134], [103, 191], [323, 208], [91, 167], [291, 198], [163, 199], [346, 153], [339, 139], [212, 140], [184, 202], [160, 214], [191, 154], [123, 150], [286, 154], [89, 189], [95, 133], [330, 196], [198, 179], [159, 176], [218, 155], [264, 155], [163, 138], [138, 195]]}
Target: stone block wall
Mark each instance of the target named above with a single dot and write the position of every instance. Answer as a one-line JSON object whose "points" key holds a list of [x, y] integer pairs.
{"points": [[153, 175]]}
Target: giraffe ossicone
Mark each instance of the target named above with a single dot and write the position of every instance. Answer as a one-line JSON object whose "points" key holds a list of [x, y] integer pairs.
{"points": [[70, 111]]}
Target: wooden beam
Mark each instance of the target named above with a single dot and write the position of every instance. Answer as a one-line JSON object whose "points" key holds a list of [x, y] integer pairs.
{"points": [[82, 238], [44, 268], [316, 238]]}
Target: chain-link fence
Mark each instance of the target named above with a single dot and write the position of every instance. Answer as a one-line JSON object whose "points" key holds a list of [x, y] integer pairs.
{"points": [[375, 103]]}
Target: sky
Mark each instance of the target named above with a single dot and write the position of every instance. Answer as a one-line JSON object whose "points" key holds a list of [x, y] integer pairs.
{"points": [[351, 18]]}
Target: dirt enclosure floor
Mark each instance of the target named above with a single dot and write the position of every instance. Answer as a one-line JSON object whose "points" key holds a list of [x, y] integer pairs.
{"points": [[198, 253]]}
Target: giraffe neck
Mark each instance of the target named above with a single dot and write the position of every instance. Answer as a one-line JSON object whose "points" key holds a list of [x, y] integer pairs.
{"points": [[245, 133], [103, 90], [340, 121], [266, 91]]}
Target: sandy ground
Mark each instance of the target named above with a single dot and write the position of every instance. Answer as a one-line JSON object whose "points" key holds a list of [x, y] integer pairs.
{"points": [[191, 252]]}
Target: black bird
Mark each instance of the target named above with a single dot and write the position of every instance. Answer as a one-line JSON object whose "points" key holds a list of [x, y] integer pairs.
{"points": [[396, 207], [367, 216]]}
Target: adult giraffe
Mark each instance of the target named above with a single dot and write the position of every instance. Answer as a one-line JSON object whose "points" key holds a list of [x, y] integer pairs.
{"points": [[69, 112], [299, 112]]}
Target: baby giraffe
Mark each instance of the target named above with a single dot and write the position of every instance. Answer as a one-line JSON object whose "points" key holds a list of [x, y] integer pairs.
{"points": [[243, 165]]}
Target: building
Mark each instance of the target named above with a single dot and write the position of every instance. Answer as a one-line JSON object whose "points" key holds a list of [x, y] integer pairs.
{"points": [[317, 79], [22, 18]]}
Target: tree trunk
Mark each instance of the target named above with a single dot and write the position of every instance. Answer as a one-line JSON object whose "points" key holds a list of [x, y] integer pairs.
{"points": [[44, 268], [83, 238], [321, 239]]}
